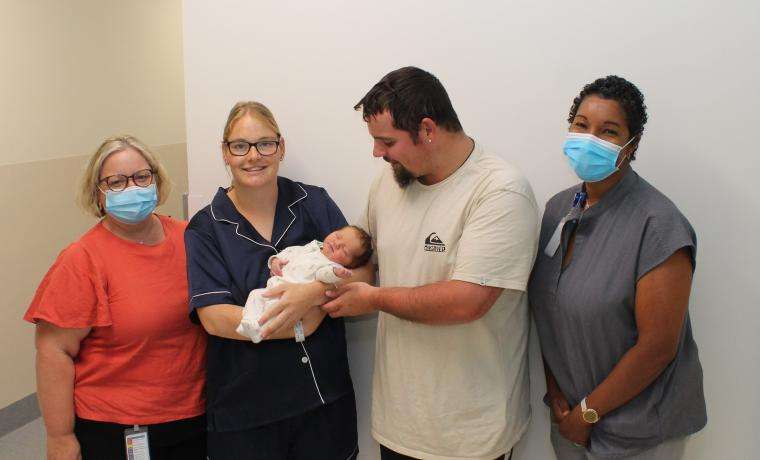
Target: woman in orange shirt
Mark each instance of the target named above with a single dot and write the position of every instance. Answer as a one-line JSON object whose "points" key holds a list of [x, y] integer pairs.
{"points": [[114, 346]]}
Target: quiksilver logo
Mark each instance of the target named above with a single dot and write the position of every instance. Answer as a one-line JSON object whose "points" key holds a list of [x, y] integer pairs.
{"points": [[434, 244]]}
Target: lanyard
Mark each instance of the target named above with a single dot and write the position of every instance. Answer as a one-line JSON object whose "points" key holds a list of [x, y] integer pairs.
{"points": [[579, 201]]}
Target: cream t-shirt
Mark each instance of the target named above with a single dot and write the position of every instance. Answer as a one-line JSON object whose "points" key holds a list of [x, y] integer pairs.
{"points": [[458, 391]]}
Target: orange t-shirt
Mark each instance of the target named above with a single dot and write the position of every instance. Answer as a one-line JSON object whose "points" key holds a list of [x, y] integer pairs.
{"points": [[144, 360]]}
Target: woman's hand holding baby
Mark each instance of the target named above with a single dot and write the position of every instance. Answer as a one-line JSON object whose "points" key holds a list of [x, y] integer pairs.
{"points": [[295, 301]]}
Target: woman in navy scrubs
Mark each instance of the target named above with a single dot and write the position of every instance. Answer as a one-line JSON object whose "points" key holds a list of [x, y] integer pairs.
{"points": [[280, 398]]}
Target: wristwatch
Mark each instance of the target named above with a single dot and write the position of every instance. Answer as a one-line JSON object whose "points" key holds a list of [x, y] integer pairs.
{"points": [[589, 415]]}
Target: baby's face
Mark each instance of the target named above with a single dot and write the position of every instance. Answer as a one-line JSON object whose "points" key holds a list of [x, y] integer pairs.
{"points": [[342, 246]]}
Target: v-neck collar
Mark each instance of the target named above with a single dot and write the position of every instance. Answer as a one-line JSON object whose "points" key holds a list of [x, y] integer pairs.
{"points": [[288, 193]]}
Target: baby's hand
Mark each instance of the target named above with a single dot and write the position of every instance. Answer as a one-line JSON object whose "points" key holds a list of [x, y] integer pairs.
{"points": [[277, 266], [341, 272]]}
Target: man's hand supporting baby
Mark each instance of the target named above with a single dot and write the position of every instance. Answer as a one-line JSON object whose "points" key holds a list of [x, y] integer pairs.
{"points": [[296, 299]]}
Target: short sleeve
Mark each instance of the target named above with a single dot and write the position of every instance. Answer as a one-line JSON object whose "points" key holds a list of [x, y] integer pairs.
{"points": [[332, 219], [367, 223], [499, 240], [664, 234], [72, 294], [366, 219], [326, 274], [207, 277]]}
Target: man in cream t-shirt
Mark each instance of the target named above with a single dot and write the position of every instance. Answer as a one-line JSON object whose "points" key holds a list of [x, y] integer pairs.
{"points": [[455, 231]]}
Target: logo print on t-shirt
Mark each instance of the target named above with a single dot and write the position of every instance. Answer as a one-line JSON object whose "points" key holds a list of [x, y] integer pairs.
{"points": [[434, 244]]}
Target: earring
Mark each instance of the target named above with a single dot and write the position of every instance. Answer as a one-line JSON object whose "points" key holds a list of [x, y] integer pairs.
{"points": [[430, 140]]}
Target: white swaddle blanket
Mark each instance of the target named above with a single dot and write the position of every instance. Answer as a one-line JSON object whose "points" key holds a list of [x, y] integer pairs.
{"points": [[305, 264]]}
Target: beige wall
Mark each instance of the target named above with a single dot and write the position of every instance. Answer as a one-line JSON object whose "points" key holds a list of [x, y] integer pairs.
{"points": [[74, 72], [81, 70]]}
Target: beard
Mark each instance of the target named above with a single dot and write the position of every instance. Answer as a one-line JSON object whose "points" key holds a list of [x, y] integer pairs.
{"points": [[402, 175]]}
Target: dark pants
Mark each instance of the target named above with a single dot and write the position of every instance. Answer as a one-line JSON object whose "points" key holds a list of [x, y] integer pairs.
{"points": [[387, 454], [177, 440], [325, 433]]}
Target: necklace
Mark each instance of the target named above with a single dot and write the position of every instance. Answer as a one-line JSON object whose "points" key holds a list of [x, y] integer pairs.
{"points": [[153, 235], [152, 232]]}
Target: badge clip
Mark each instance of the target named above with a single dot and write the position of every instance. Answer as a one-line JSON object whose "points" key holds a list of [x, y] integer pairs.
{"points": [[136, 441]]}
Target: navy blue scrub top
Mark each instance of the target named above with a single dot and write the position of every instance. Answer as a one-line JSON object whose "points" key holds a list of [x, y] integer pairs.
{"points": [[247, 384]]}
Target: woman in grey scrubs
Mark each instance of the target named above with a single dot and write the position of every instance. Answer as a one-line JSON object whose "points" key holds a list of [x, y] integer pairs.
{"points": [[610, 294]]}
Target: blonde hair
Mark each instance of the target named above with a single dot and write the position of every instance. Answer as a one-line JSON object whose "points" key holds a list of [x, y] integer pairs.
{"points": [[89, 193], [254, 109]]}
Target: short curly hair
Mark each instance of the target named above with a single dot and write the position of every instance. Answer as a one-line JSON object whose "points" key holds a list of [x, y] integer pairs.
{"points": [[622, 91], [410, 94]]}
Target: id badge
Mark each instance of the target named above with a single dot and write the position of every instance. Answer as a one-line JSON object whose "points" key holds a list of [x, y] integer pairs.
{"points": [[136, 440], [298, 331]]}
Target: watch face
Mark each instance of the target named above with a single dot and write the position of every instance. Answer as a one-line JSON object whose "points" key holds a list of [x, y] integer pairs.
{"points": [[590, 416]]}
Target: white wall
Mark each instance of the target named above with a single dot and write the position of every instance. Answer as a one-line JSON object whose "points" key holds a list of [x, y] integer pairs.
{"points": [[512, 69]]}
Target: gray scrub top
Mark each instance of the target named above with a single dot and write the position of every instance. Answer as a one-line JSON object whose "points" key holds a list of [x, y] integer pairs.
{"points": [[585, 313]]}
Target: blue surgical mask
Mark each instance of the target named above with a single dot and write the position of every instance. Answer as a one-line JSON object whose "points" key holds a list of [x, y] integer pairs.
{"points": [[591, 158], [133, 204]]}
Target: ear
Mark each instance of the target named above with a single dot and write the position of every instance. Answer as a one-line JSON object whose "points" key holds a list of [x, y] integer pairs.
{"points": [[282, 148], [633, 147], [224, 155], [428, 130], [628, 153], [101, 202]]}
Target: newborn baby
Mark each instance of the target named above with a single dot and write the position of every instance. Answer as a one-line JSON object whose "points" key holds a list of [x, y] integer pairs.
{"points": [[328, 262]]}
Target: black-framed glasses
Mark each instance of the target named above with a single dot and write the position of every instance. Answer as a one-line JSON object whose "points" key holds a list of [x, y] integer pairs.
{"points": [[119, 182], [241, 148]]}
